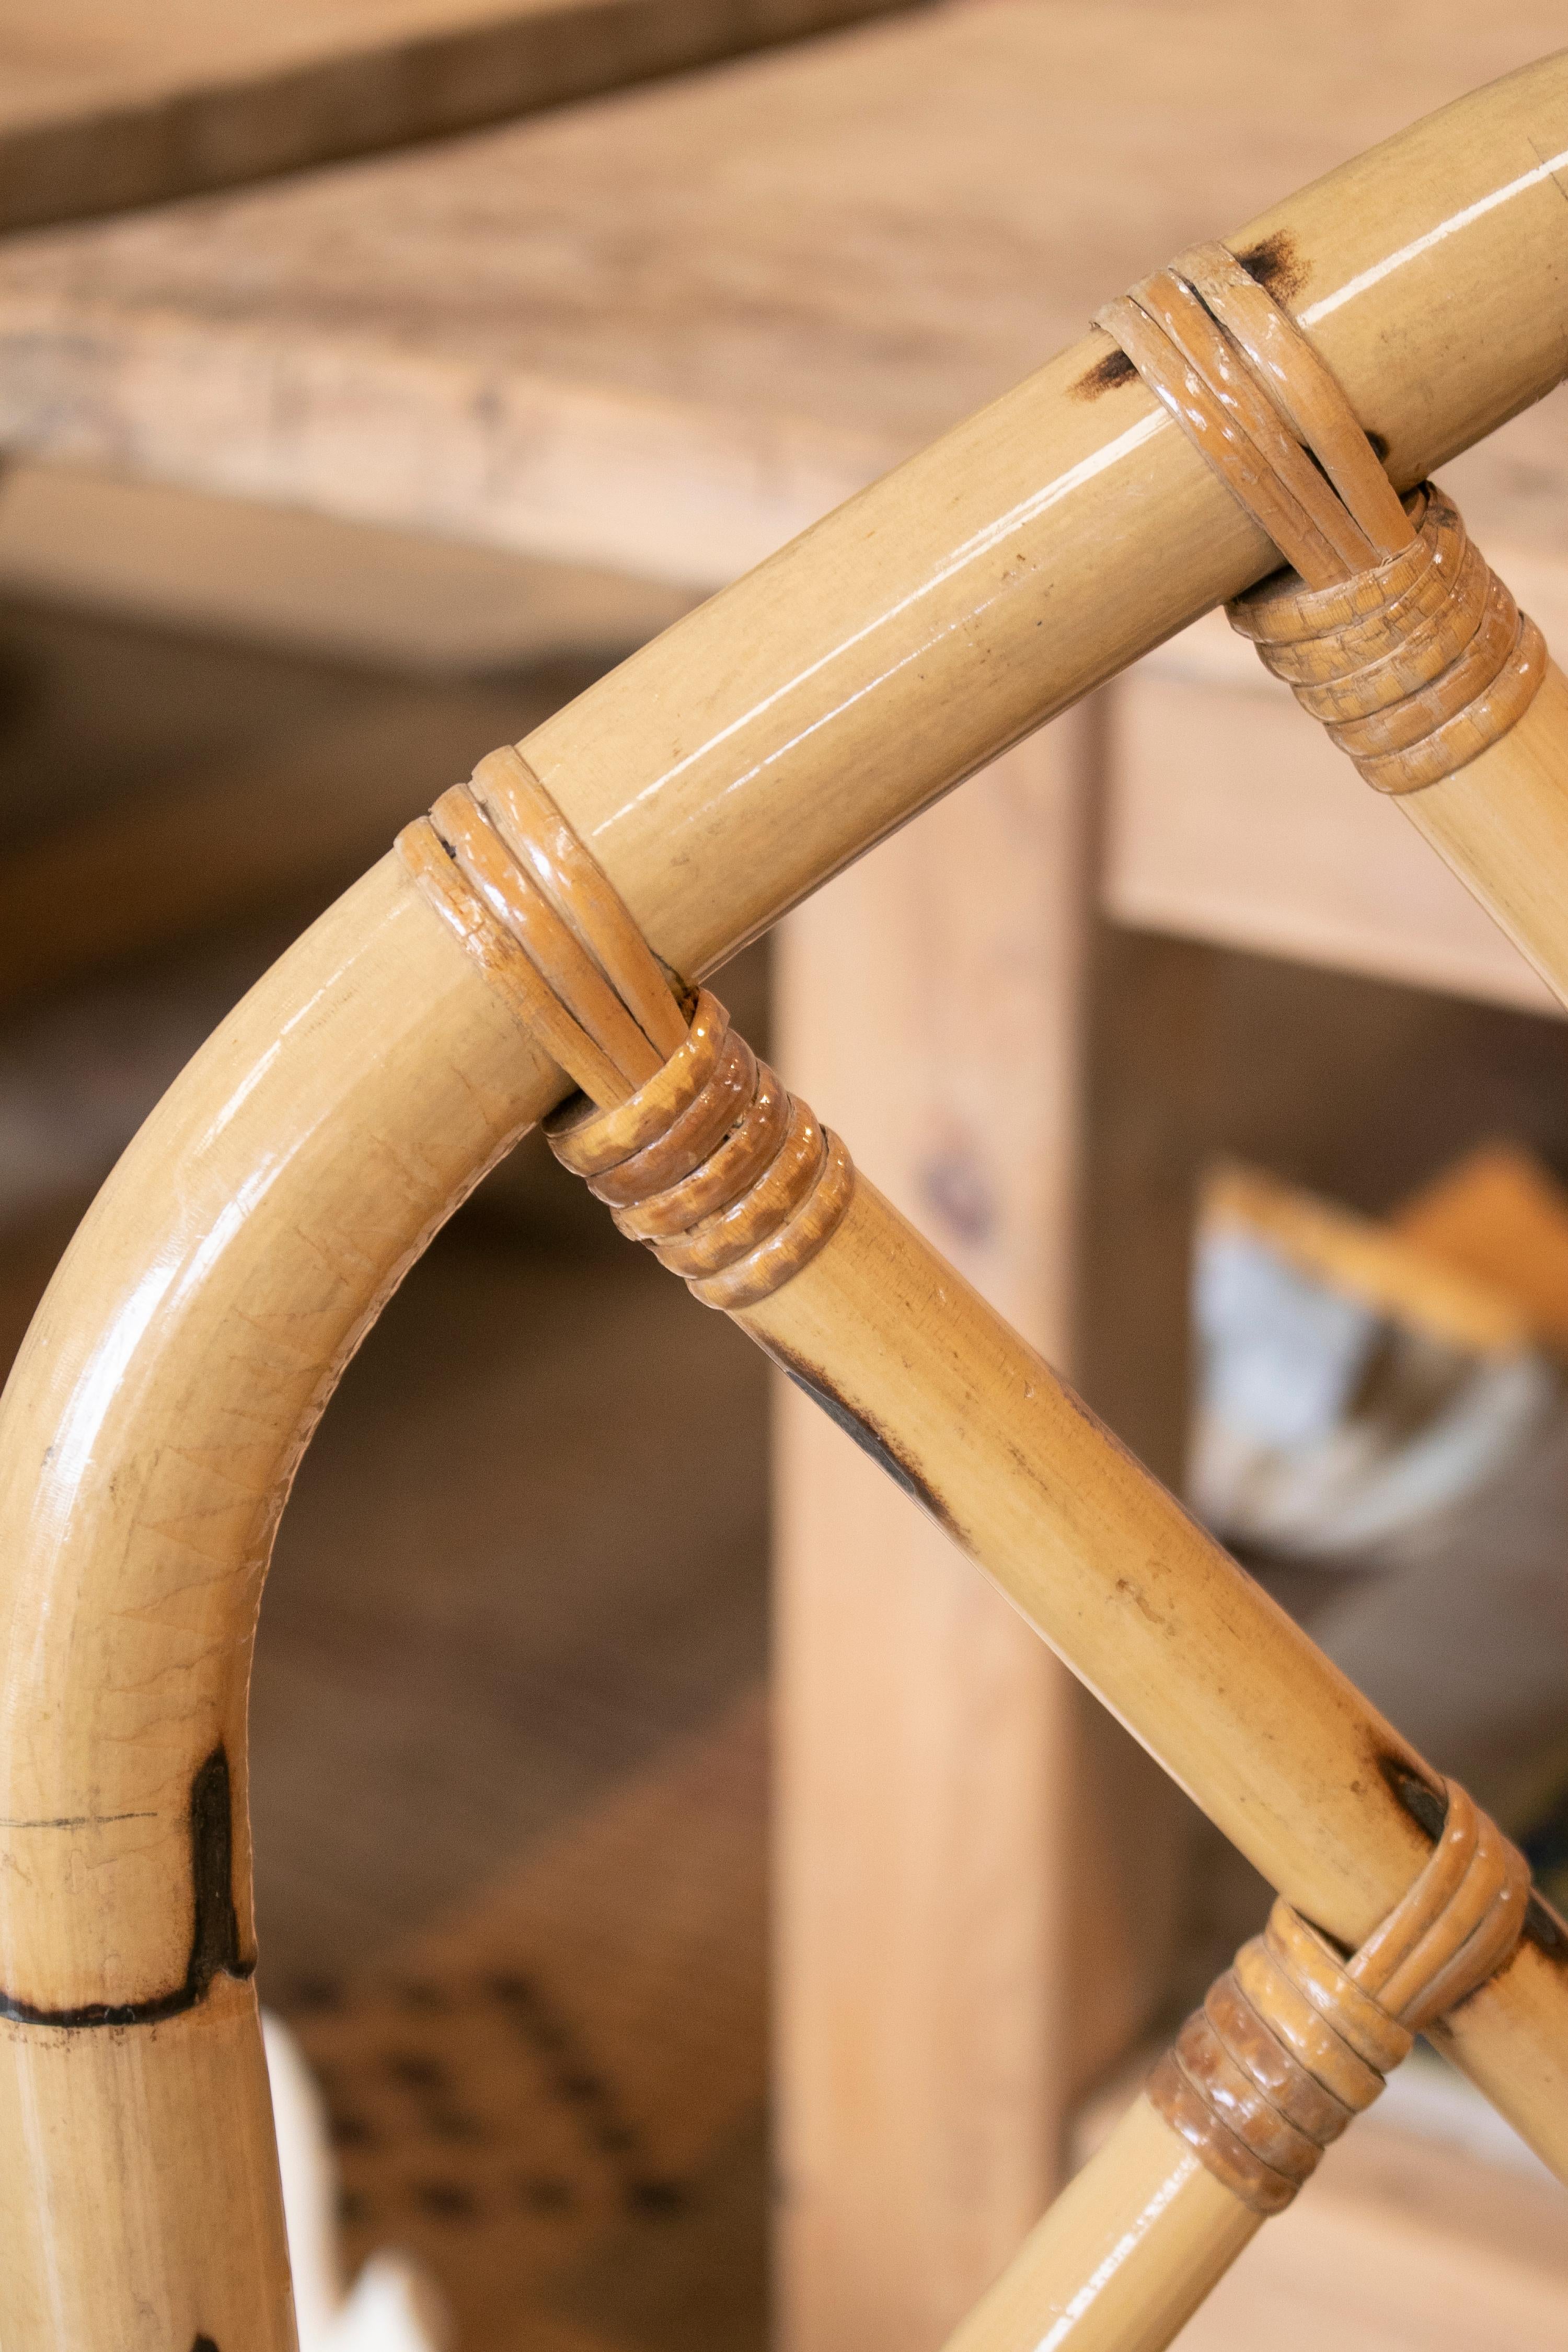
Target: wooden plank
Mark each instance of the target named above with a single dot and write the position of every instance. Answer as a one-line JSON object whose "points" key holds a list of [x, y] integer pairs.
{"points": [[309, 583], [103, 106], [1233, 818], [666, 330], [929, 1894]]}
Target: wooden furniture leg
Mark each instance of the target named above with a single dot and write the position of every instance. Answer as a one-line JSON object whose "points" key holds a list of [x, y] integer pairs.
{"points": [[932, 1815], [925, 1738]]}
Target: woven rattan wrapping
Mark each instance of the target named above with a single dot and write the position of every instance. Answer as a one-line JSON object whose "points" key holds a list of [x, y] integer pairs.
{"points": [[1293, 2041], [1392, 629], [698, 1149]]}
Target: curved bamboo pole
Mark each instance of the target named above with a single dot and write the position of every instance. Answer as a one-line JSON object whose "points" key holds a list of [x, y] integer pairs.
{"points": [[208, 1305], [1279, 1748]]}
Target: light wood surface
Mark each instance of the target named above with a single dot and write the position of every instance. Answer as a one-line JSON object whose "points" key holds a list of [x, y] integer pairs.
{"points": [[663, 332], [105, 105], [940, 2001], [1230, 824], [198, 1324]]}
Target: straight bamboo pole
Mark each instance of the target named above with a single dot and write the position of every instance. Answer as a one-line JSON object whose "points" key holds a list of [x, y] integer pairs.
{"points": [[206, 1311], [1280, 1751], [1503, 825], [1124, 2256]]}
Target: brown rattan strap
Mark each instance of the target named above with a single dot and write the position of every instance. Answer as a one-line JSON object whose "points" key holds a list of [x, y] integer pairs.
{"points": [[1292, 2041], [700, 1151], [1392, 628]]}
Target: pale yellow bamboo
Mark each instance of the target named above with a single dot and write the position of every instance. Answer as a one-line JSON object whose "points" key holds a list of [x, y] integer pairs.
{"points": [[169, 1381], [1124, 2256], [1297, 1767], [1503, 825], [201, 1317]]}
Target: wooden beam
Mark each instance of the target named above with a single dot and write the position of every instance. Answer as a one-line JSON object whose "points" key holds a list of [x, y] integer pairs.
{"points": [[665, 333], [102, 107]]}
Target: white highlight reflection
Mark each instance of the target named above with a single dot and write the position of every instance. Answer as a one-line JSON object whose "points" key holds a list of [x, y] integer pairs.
{"points": [[1450, 228], [1100, 2277], [1028, 510]]}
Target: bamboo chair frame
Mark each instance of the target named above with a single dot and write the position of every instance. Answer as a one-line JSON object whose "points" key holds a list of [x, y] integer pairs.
{"points": [[245, 1244]]}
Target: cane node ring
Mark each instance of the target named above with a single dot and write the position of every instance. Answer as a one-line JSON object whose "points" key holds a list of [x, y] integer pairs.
{"points": [[697, 1147], [1293, 2041], [1392, 629]]}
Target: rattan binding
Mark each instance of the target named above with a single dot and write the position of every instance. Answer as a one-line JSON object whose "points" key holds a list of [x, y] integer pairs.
{"points": [[1294, 2041], [1392, 629], [697, 1147]]}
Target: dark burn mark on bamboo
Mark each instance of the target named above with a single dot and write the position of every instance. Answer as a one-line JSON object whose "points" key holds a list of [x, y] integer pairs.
{"points": [[867, 1435], [78, 1821], [1104, 376], [215, 1933], [203, 2344], [1546, 1930], [1277, 265], [1145, 1608], [1427, 1806], [215, 1943]]}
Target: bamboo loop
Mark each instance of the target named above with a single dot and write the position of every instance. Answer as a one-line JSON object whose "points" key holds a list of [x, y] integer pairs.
{"points": [[249, 1238], [1393, 630], [697, 1150], [1292, 2042]]}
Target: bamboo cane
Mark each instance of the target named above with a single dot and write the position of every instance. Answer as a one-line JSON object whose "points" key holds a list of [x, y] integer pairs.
{"points": [[1124, 2256], [1503, 825], [1284, 1754], [207, 1306], [1279, 1748]]}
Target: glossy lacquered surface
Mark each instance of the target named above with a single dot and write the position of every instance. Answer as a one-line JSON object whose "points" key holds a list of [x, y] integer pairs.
{"points": [[147, 1440], [763, 741], [1123, 2258], [201, 1317]]}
